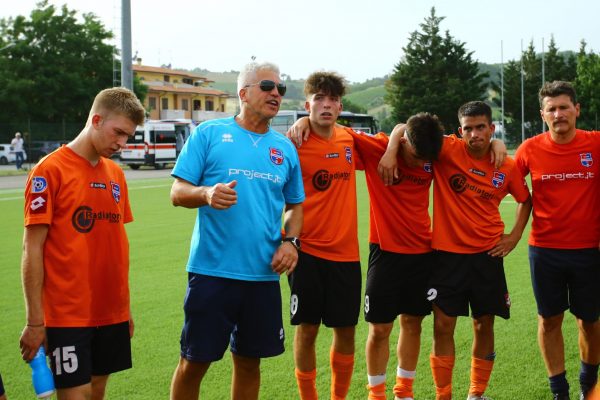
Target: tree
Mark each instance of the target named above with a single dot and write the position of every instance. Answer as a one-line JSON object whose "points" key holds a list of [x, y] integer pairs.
{"points": [[55, 65], [587, 85], [436, 74], [353, 107]]}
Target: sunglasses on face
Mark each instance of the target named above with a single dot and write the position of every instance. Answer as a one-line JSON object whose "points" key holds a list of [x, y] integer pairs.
{"points": [[267, 86]]}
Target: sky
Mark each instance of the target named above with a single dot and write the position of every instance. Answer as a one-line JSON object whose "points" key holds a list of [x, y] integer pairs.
{"points": [[360, 39]]}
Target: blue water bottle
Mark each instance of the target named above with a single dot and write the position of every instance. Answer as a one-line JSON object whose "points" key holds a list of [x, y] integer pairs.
{"points": [[41, 376]]}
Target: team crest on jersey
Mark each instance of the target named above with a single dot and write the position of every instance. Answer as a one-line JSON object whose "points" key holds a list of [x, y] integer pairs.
{"points": [[38, 184], [586, 159], [276, 156], [116, 191], [427, 167], [498, 179], [348, 151]]}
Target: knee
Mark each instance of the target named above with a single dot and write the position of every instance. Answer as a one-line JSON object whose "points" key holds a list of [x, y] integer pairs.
{"points": [[483, 326], [411, 325], [550, 325], [589, 329], [307, 334], [379, 332], [246, 365], [189, 370]]}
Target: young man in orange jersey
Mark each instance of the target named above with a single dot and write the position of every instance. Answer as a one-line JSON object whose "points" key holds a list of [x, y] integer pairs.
{"points": [[563, 251], [326, 284], [75, 262], [468, 235]]}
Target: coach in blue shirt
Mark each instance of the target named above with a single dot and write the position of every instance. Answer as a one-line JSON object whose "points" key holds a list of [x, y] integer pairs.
{"points": [[240, 175]]}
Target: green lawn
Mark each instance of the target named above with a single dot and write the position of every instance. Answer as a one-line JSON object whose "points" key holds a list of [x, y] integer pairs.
{"points": [[159, 239]]}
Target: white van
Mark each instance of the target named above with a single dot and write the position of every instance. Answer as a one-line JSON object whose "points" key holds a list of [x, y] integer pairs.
{"points": [[7, 154]]}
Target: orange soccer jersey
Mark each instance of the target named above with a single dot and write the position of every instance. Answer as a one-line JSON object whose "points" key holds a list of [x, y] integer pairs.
{"points": [[566, 191], [330, 223], [86, 253], [399, 214], [466, 196]]}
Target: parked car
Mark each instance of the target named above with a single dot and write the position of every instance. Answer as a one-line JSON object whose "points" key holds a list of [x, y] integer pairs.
{"points": [[7, 154], [40, 148]]}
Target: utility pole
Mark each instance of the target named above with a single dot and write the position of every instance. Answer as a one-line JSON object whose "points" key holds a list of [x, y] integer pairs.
{"points": [[126, 70]]}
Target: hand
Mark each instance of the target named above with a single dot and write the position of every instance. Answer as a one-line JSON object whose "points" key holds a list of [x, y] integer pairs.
{"points": [[504, 246], [498, 153], [222, 196], [285, 259], [388, 167], [299, 132], [32, 338]]}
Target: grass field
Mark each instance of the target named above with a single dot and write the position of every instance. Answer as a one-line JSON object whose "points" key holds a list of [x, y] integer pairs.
{"points": [[159, 240]]}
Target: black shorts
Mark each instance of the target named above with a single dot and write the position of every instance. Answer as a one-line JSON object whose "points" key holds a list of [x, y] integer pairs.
{"points": [[324, 290], [1, 386], [221, 312], [460, 280], [77, 354], [396, 284], [565, 279]]}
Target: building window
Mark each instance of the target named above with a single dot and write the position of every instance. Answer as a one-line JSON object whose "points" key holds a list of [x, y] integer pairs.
{"points": [[166, 78], [152, 102], [197, 105], [210, 105], [165, 103], [188, 81], [185, 104]]}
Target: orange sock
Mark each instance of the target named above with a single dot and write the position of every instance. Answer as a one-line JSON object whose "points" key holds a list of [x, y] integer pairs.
{"points": [[480, 375], [342, 366], [307, 384], [377, 392], [404, 387], [441, 369]]}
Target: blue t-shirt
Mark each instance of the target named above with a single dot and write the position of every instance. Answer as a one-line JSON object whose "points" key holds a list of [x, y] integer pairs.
{"points": [[239, 242]]}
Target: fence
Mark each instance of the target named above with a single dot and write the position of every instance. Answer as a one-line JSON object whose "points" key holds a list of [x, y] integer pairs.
{"points": [[59, 131]]}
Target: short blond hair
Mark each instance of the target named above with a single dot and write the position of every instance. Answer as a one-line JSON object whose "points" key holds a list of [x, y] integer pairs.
{"points": [[119, 100]]}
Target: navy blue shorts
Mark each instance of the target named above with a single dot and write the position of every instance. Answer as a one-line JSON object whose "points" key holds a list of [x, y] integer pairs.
{"points": [[396, 284], [462, 280], [325, 290], [77, 354], [1, 386], [243, 314], [566, 279]]}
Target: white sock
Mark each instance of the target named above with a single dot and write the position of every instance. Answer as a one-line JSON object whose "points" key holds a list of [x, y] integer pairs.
{"points": [[402, 373], [375, 380]]}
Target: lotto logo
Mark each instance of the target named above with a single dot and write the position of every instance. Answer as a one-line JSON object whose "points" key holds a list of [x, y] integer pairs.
{"points": [[38, 205]]}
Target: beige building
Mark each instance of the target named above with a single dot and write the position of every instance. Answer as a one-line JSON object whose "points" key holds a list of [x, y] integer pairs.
{"points": [[181, 94]]}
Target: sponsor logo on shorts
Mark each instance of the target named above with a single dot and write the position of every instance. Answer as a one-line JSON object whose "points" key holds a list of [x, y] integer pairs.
{"points": [[281, 334], [431, 294], [97, 185], [39, 204], [322, 179], [38, 184], [84, 218], [276, 156], [507, 300], [586, 159], [459, 183]]}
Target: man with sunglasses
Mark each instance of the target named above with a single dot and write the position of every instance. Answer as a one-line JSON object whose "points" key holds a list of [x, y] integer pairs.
{"points": [[240, 175]]}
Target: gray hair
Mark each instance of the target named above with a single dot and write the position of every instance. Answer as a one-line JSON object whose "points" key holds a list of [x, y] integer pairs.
{"points": [[248, 73]]}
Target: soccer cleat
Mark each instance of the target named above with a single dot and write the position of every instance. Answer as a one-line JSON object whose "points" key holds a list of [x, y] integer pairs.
{"points": [[561, 396], [403, 398], [473, 397]]}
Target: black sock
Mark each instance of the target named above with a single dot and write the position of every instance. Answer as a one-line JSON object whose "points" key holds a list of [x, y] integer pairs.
{"points": [[559, 384], [588, 375]]}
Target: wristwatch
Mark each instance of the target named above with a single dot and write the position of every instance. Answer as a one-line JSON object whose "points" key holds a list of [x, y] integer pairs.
{"points": [[294, 241]]}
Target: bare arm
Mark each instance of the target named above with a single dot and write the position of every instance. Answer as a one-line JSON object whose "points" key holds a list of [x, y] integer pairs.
{"points": [[388, 165], [300, 131], [220, 196], [286, 255], [32, 275], [498, 153], [508, 241]]}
